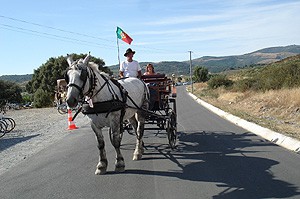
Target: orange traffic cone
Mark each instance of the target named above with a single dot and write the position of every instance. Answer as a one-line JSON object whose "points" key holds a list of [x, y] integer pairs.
{"points": [[71, 125]]}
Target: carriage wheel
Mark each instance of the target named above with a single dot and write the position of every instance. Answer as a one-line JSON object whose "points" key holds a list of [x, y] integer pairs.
{"points": [[172, 129]]}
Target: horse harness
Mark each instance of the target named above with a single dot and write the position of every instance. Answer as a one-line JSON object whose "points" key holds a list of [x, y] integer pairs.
{"points": [[115, 104]]}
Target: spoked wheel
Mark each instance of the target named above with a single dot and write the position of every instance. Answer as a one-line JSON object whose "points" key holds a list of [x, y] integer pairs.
{"points": [[10, 124], [172, 129], [62, 108], [3, 127]]}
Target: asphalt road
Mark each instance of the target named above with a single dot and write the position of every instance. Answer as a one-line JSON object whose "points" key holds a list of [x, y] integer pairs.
{"points": [[214, 159]]}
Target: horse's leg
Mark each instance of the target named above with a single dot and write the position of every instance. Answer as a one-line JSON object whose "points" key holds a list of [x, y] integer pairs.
{"points": [[102, 165], [116, 142], [133, 123], [139, 150]]}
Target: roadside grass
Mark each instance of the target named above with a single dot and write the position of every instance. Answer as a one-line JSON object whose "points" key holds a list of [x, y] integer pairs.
{"points": [[268, 95], [278, 110]]}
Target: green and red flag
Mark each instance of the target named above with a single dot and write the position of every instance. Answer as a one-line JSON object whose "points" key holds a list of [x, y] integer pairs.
{"points": [[122, 35]]}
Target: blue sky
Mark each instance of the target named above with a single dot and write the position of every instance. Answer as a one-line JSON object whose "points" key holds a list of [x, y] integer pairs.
{"points": [[32, 31]]}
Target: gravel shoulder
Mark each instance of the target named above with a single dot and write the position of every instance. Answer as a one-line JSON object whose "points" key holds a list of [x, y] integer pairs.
{"points": [[35, 130]]}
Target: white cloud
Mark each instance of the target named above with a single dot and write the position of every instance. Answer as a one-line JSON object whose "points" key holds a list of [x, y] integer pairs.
{"points": [[185, 19], [263, 22]]}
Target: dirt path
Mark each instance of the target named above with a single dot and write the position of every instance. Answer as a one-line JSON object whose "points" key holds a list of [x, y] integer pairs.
{"points": [[35, 130]]}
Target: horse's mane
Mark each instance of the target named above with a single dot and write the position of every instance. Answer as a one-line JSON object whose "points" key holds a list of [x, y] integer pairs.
{"points": [[95, 68]]}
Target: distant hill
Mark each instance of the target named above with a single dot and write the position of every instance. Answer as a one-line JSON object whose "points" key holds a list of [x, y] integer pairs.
{"points": [[213, 63], [263, 56], [17, 78], [219, 64]]}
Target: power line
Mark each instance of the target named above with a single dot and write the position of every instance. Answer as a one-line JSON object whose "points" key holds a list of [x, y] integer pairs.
{"points": [[53, 28], [148, 49], [52, 36]]}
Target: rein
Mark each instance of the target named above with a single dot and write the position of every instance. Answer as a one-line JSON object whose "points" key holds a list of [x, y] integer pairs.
{"points": [[106, 82]]}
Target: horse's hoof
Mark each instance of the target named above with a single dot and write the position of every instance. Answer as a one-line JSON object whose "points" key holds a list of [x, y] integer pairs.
{"points": [[120, 165], [137, 156], [101, 167], [120, 169], [100, 171]]}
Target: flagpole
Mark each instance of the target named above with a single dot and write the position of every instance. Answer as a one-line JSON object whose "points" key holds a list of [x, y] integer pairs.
{"points": [[118, 51]]}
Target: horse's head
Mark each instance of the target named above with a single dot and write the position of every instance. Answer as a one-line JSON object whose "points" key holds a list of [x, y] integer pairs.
{"points": [[76, 78]]}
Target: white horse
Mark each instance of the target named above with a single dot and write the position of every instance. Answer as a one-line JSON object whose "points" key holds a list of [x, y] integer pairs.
{"points": [[110, 102]]}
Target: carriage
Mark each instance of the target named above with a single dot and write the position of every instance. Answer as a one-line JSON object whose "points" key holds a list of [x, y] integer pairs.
{"points": [[60, 92], [60, 96], [161, 114]]}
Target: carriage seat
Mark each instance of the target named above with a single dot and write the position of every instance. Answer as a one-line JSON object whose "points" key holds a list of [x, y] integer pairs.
{"points": [[157, 75], [159, 82], [159, 87]]}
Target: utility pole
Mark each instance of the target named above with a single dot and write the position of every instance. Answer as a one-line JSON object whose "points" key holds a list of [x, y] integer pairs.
{"points": [[191, 71]]}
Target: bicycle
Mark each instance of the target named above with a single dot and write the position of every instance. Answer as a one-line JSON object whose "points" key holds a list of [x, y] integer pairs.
{"points": [[7, 124], [3, 127], [63, 108]]}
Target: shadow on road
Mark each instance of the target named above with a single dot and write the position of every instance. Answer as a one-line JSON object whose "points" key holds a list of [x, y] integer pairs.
{"points": [[7, 142], [226, 159]]}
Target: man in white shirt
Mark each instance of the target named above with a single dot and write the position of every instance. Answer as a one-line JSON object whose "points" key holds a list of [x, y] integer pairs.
{"points": [[130, 67]]}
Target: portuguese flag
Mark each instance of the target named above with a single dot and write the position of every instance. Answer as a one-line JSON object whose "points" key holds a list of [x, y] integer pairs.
{"points": [[122, 35]]}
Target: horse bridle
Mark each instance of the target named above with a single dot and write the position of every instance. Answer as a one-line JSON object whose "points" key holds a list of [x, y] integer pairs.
{"points": [[84, 75]]}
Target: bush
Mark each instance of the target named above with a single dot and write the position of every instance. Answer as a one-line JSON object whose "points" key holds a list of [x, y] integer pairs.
{"points": [[271, 78], [292, 75], [283, 74], [246, 84], [27, 98], [42, 99], [280, 75], [218, 81]]}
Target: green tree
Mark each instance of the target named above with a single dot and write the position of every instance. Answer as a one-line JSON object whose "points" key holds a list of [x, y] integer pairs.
{"points": [[45, 77], [10, 91], [200, 74]]}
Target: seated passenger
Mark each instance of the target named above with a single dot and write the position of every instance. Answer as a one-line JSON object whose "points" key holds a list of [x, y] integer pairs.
{"points": [[149, 70], [153, 88]]}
